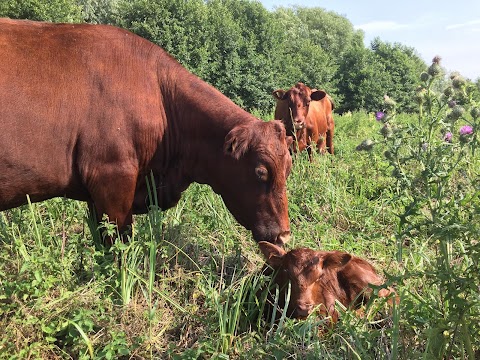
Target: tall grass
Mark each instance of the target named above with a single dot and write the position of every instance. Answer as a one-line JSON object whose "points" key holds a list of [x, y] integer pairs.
{"points": [[185, 285]]}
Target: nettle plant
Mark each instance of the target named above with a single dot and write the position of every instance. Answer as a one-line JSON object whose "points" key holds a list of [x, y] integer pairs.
{"points": [[436, 167]]}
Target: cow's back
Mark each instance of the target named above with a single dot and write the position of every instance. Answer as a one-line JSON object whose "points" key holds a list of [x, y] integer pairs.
{"points": [[79, 85]]}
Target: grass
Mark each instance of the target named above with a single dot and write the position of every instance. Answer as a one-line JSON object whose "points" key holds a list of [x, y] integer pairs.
{"points": [[182, 288]]}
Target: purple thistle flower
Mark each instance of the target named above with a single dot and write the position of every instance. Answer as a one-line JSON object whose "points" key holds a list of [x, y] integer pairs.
{"points": [[466, 130], [379, 115], [448, 137]]}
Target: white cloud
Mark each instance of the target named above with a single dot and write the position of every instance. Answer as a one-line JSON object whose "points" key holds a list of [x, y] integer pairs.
{"points": [[382, 26], [463, 25]]}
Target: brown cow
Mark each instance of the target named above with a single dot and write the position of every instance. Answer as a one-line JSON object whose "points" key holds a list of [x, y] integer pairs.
{"points": [[319, 278], [307, 116], [88, 111]]}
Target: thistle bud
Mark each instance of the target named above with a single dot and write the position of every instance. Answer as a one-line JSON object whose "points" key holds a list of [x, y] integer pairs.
{"points": [[386, 131], [475, 112], [457, 111], [458, 82], [452, 104], [366, 145], [434, 70], [389, 103], [424, 76], [420, 94], [448, 91]]}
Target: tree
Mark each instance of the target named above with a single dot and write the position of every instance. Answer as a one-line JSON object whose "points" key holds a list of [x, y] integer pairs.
{"points": [[46, 10]]}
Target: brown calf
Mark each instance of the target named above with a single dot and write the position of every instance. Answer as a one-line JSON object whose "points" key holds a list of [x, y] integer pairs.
{"points": [[320, 278]]}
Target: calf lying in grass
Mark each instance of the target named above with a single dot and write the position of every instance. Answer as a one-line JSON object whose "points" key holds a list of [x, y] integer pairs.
{"points": [[318, 279]]}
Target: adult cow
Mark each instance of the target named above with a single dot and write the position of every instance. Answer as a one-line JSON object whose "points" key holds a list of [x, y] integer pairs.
{"points": [[88, 111], [307, 116]]}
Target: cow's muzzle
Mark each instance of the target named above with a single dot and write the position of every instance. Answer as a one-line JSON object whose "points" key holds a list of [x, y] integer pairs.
{"points": [[282, 238], [299, 125]]}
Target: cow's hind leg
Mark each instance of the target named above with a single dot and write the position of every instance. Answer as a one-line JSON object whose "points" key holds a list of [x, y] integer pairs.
{"points": [[330, 131]]}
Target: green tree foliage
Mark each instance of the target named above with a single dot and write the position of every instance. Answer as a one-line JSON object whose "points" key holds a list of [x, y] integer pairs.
{"points": [[51, 10], [365, 75], [246, 51]]}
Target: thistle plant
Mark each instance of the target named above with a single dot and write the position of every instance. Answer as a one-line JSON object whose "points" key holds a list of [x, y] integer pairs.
{"points": [[435, 167]]}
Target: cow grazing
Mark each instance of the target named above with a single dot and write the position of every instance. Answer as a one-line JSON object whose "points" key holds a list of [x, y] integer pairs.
{"points": [[89, 111], [320, 278], [307, 116]]}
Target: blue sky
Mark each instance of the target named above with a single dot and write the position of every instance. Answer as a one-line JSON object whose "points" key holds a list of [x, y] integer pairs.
{"points": [[450, 29]]}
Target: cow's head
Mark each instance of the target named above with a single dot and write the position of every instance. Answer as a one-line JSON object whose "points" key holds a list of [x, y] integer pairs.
{"points": [[293, 104], [312, 275], [254, 175]]}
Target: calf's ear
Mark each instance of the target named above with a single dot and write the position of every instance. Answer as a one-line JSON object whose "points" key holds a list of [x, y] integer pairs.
{"points": [[273, 253], [336, 259]]}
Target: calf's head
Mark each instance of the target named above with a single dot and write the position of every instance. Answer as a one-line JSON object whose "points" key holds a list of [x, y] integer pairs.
{"points": [[319, 278]]}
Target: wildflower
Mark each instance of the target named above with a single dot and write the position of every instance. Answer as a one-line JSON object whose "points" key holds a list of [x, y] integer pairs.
{"points": [[466, 130], [379, 115], [448, 137], [425, 146], [452, 103]]}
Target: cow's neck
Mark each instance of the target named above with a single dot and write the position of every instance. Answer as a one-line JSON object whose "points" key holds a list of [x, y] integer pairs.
{"points": [[198, 119]]}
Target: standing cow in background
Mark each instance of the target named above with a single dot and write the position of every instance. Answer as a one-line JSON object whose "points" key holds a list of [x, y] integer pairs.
{"points": [[307, 116], [88, 111]]}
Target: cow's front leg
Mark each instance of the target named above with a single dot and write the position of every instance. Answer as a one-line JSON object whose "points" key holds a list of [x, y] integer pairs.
{"points": [[113, 195]]}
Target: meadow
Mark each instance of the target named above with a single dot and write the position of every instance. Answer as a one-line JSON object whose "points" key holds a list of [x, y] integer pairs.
{"points": [[183, 286]]}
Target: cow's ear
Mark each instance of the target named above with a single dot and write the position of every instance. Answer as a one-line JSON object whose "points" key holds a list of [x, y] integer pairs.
{"points": [[237, 142], [336, 259], [279, 94], [318, 95], [273, 254]]}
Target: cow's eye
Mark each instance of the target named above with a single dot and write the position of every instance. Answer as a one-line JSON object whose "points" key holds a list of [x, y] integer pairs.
{"points": [[262, 173]]}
